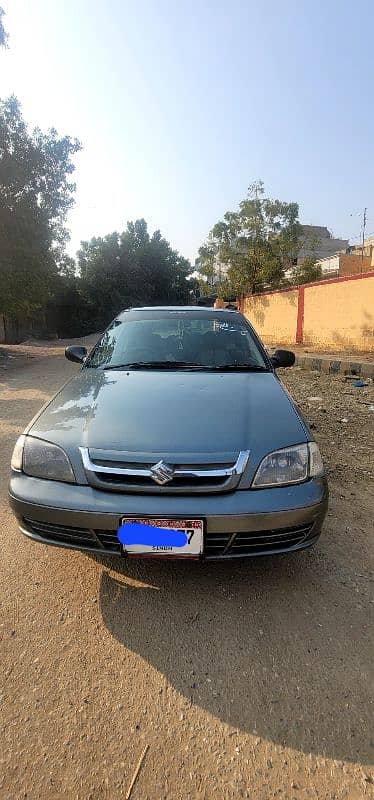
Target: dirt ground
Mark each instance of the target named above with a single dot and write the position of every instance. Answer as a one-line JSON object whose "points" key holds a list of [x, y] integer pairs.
{"points": [[338, 355], [242, 680]]}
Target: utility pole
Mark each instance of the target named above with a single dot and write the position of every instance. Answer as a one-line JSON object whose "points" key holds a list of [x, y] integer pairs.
{"points": [[363, 238]]}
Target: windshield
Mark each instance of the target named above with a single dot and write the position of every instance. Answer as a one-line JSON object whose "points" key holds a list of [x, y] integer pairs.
{"points": [[178, 340]]}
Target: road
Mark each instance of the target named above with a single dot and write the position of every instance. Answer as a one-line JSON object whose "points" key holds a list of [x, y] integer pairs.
{"points": [[245, 680]]}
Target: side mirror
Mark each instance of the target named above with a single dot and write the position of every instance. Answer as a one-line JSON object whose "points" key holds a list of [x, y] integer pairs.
{"points": [[76, 353], [282, 358]]}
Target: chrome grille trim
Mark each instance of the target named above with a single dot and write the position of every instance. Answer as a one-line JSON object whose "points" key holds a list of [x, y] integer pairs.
{"points": [[227, 477]]}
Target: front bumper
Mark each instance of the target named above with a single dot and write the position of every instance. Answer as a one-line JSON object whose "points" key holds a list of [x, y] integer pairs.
{"points": [[237, 524]]}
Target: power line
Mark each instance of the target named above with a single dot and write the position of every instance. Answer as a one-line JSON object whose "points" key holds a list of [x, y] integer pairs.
{"points": [[363, 237], [359, 236]]}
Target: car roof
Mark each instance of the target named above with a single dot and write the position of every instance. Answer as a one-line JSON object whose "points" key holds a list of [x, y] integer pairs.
{"points": [[201, 309]]}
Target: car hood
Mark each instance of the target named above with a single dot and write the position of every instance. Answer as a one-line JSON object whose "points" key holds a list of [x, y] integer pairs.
{"points": [[178, 416]]}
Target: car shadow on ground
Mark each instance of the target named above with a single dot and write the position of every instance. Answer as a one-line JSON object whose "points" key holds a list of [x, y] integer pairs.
{"points": [[271, 646]]}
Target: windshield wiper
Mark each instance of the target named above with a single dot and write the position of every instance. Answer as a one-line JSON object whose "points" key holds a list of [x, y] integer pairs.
{"points": [[242, 367], [152, 365], [188, 365]]}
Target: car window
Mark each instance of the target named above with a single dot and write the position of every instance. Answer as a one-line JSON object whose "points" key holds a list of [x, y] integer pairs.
{"points": [[207, 342]]}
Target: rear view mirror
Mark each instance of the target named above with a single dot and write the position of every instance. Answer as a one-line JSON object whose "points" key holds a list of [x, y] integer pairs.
{"points": [[282, 358], [76, 353]]}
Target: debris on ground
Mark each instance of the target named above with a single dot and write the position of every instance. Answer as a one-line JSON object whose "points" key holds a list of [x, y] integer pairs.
{"points": [[136, 773], [341, 419]]}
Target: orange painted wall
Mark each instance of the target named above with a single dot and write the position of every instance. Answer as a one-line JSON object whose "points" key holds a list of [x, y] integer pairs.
{"points": [[339, 316], [334, 315], [273, 315]]}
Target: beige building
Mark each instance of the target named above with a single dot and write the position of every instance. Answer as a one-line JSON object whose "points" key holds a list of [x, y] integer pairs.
{"points": [[366, 250], [355, 261], [342, 264]]}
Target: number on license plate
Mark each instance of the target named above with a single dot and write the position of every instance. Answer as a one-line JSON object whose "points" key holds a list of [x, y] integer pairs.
{"points": [[164, 536]]}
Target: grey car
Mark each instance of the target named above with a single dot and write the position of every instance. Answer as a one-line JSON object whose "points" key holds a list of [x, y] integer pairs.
{"points": [[176, 439]]}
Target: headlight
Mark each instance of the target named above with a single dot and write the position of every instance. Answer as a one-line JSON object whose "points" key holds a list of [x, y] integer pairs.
{"points": [[45, 460], [16, 462], [290, 465]]}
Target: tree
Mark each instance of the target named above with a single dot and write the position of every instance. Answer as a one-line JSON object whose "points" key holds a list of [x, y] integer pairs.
{"points": [[250, 249], [306, 272], [3, 33], [35, 195], [154, 273], [131, 268], [101, 283]]}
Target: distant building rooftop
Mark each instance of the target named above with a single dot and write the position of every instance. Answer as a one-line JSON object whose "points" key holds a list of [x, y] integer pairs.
{"points": [[320, 243]]}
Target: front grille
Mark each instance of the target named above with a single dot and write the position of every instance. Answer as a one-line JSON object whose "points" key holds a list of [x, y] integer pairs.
{"points": [[125, 476], [108, 540], [216, 545], [223, 545], [256, 542], [147, 483], [96, 539]]}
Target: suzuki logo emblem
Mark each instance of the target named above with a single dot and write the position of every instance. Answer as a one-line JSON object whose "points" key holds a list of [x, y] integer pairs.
{"points": [[162, 473]]}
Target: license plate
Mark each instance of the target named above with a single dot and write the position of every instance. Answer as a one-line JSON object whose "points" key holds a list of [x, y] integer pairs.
{"points": [[162, 537]]}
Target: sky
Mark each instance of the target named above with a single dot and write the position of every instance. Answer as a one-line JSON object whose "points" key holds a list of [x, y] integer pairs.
{"points": [[179, 106]]}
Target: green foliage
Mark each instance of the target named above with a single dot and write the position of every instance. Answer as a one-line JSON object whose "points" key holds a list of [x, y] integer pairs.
{"points": [[36, 275], [3, 33], [35, 196], [70, 312], [250, 249], [129, 269], [117, 271], [306, 272]]}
